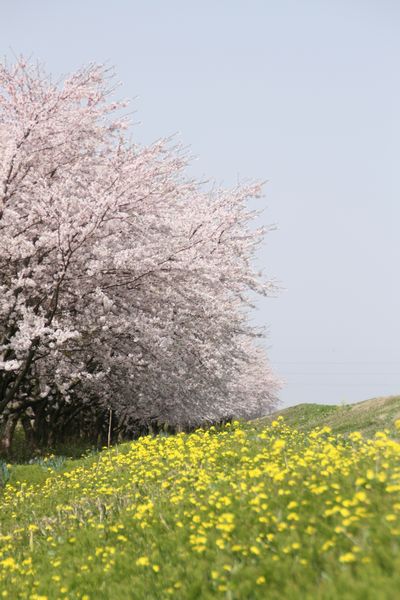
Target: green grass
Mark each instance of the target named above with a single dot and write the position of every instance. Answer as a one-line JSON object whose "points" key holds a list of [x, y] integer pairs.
{"points": [[368, 416], [251, 511]]}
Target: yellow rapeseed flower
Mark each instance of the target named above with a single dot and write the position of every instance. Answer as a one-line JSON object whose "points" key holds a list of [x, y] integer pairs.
{"points": [[349, 557]]}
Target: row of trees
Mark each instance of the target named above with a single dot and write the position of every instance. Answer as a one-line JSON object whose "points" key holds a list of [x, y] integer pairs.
{"points": [[124, 284]]}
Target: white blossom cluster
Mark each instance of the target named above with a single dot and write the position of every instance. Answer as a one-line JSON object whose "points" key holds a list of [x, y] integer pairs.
{"points": [[123, 283]]}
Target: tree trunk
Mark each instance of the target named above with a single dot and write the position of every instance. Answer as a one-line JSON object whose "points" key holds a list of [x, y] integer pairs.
{"points": [[29, 433], [7, 434]]}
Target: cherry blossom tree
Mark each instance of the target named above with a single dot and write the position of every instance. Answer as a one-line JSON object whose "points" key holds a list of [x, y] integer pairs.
{"points": [[124, 284]]}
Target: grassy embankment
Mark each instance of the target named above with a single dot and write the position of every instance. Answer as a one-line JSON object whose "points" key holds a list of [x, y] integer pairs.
{"points": [[368, 416], [251, 511]]}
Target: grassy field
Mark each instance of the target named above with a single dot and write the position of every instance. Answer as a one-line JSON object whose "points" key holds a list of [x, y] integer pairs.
{"points": [[367, 417], [250, 511]]}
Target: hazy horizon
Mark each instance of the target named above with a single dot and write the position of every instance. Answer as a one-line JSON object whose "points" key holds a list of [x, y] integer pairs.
{"points": [[302, 94]]}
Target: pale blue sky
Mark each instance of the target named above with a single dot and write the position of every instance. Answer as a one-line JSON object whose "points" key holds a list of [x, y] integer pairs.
{"points": [[305, 94]]}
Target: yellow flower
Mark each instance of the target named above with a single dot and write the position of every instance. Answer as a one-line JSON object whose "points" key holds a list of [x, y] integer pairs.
{"points": [[260, 580], [143, 561], [310, 530], [390, 518], [9, 563], [349, 557], [327, 545], [293, 516], [278, 445], [360, 496]]}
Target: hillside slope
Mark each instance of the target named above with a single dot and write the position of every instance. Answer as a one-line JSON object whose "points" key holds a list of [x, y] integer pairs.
{"points": [[368, 416]]}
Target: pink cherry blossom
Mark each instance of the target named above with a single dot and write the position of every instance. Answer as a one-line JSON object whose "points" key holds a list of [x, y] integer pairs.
{"points": [[124, 284]]}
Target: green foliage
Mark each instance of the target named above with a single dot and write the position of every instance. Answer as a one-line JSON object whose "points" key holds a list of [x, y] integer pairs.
{"points": [[53, 462]]}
